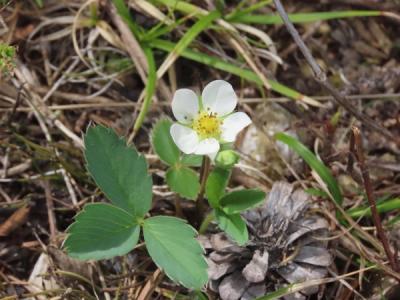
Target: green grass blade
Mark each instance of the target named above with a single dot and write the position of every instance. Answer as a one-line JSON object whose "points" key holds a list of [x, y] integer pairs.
{"points": [[182, 6], [386, 206], [149, 89], [303, 17], [314, 164], [187, 38], [161, 29], [294, 287], [194, 31], [123, 11], [239, 11], [219, 64]]}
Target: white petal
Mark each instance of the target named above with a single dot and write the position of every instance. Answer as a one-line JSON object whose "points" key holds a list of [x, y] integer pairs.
{"points": [[212, 156], [185, 138], [219, 97], [207, 147], [233, 124], [185, 105]]}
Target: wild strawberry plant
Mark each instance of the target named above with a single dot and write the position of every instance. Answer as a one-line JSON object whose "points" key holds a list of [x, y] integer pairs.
{"points": [[205, 131]]}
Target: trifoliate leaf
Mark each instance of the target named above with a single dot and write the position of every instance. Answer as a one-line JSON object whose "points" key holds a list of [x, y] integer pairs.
{"points": [[183, 181], [238, 201], [233, 225], [216, 184], [171, 244], [118, 170], [101, 231], [163, 143]]}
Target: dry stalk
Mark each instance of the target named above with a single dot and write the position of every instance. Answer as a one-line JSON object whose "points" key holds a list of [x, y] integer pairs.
{"points": [[321, 78], [371, 198], [50, 210]]}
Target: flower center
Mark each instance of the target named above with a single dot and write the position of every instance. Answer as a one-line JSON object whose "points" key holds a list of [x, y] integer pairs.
{"points": [[207, 125]]}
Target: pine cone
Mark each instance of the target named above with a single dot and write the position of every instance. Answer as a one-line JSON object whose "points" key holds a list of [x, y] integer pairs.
{"points": [[285, 246]]}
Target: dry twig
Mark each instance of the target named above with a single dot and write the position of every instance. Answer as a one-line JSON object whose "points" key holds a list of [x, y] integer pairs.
{"points": [[371, 198], [321, 78]]}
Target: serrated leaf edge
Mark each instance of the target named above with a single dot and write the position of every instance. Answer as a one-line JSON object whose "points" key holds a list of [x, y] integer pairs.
{"points": [[152, 138], [250, 207], [172, 168], [193, 237], [134, 224], [121, 138]]}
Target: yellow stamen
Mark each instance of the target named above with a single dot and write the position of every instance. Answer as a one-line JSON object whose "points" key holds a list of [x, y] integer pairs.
{"points": [[207, 125]]}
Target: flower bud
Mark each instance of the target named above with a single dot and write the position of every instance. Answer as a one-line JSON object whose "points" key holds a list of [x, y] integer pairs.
{"points": [[227, 159]]}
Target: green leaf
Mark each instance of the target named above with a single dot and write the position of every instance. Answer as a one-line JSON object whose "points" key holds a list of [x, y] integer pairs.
{"points": [[123, 11], [201, 24], [234, 226], [118, 170], [191, 160], [220, 64], [317, 192], [314, 164], [101, 231], [183, 181], [163, 143], [200, 296], [303, 17], [183, 6], [172, 246], [39, 3], [238, 201], [216, 184], [385, 206]]}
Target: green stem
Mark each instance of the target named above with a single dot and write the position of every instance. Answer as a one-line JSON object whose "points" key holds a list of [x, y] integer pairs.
{"points": [[206, 222], [200, 204]]}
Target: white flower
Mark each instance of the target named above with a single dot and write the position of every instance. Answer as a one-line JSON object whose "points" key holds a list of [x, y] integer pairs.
{"points": [[205, 123]]}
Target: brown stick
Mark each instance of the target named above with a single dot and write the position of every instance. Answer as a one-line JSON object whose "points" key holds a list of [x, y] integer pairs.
{"points": [[371, 198], [321, 78], [50, 210]]}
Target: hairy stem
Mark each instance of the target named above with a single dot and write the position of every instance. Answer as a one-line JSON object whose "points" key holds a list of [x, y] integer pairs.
{"points": [[178, 207], [206, 222], [200, 204]]}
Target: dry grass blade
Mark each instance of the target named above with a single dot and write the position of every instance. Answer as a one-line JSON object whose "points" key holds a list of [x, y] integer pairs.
{"points": [[132, 46], [293, 288], [151, 284], [17, 219]]}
